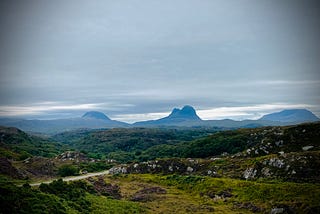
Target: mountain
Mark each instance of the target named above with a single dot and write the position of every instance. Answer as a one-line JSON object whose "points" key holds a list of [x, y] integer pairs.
{"points": [[95, 115], [291, 116], [90, 120], [186, 116]]}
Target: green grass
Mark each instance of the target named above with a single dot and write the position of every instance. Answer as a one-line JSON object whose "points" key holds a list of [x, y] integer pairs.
{"points": [[104, 205], [300, 196]]}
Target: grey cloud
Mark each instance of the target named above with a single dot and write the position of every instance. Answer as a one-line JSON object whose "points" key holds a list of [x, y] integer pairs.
{"points": [[155, 55]]}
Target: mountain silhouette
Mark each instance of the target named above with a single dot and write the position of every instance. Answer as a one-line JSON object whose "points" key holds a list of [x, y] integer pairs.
{"points": [[187, 113], [185, 117], [95, 115], [178, 117], [291, 116]]}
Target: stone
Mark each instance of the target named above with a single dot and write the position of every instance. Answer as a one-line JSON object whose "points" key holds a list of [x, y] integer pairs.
{"points": [[306, 148]]}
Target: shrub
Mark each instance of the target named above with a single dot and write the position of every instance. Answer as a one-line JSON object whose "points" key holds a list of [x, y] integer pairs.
{"points": [[67, 170]]}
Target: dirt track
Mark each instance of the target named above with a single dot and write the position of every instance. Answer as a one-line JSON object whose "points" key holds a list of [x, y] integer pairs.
{"points": [[74, 178]]}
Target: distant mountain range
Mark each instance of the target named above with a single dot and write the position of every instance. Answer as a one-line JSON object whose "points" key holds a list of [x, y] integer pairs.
{"points": [[185, 117], [291, 116]]}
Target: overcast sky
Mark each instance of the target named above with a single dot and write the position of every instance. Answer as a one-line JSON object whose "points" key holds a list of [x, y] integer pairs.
{"points": [[136, 60]]}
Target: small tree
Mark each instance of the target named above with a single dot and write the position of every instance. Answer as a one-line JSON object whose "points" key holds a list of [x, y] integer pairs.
{"points": [[67, 170]]}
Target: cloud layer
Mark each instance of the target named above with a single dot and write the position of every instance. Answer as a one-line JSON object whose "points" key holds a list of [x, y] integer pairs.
{"points": [[143, 58]]}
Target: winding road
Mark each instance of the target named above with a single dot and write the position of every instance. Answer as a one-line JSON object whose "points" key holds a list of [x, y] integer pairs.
{"points": [[73, 178]]}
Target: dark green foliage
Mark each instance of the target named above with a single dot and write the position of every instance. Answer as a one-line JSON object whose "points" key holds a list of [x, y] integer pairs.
{"points": [[293, 138], [16, 144], [68, 170], [24, 199], [141, 144], [73, 193], [218, 143], [128, 144]]}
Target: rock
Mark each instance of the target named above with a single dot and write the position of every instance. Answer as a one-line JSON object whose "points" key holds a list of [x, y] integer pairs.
{"points": [[266, 172], [276, 162], [103, 188], [118, 170], [189, 169], [148, 194], [248, 206], [249, 173], [6, 168], [282, 209], [306, 148], [225, 194], [72, 155], [277, 210]]}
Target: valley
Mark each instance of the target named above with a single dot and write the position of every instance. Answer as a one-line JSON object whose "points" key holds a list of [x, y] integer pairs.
{"points": [[270, 169]]}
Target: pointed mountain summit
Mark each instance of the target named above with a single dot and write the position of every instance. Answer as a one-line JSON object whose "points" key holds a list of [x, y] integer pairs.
{"points": [[187, 112], [186, 116], [95, 115], [291, 116]]}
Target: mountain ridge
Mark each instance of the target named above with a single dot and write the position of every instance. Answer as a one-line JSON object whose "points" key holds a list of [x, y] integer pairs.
{"points": [[95, 115], [291, 115], [184, 117]]}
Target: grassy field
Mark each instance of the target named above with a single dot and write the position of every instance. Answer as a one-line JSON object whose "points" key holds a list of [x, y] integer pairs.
{"points": [[198, 194], [155, 193]]}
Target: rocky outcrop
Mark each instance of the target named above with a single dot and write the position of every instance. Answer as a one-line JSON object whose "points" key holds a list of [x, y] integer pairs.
{"points": [[148, 194], [39, 167], [106, 189], [6, 168], [297, 167], [72, 156]]}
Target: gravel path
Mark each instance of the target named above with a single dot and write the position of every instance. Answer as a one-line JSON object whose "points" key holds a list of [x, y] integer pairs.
{"points": [[74, 178]]}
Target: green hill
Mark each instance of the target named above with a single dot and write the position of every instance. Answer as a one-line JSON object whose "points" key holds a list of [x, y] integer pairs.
{"points": [[18, 145]]}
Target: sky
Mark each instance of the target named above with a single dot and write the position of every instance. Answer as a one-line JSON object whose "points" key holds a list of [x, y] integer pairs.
{"points": [[138, 59]]}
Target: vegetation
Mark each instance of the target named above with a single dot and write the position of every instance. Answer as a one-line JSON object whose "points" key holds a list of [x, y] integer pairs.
{"points": [[127, 145], [17, 145], [191, 172], [68, 170], [25, 199], [141, 144], [227, 195], [60, 197]]}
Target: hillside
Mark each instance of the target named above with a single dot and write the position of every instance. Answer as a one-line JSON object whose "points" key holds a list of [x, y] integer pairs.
{"points": [[252, 170], [127, 144], [18, 145], [90, 120], [291, 116], [148, 144], [288, 153]]}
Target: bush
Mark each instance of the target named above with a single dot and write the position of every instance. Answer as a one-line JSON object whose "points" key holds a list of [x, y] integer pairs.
{"points": [[24, 199], [68, 170]]}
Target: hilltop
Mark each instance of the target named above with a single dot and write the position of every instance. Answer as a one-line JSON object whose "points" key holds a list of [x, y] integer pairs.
{"points": [[291, 116], [95, 115]]}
